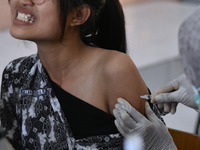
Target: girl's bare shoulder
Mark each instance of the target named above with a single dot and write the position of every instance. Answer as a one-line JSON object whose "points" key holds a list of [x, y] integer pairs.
{"points": [[123, 80]]}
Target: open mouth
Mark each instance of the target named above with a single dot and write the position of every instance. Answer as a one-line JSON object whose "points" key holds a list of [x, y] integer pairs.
{"points": [[25, 17]]}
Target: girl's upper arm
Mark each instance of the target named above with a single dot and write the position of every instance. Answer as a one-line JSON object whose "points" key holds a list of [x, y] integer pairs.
{"points": [[125, 81]]}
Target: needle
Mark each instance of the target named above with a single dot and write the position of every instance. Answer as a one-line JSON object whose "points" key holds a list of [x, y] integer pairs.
{"points": [[156, 110], [148, 97]]}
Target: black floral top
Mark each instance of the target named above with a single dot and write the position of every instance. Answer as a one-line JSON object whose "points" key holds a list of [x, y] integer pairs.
{"points": [[31, 114]]}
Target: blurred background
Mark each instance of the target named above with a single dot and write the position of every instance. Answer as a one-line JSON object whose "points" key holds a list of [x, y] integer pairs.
{"points": [[152, 29]]}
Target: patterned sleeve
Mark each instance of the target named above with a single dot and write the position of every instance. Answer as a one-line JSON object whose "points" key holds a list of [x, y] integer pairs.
{"points": [[8, 117], [158, 112]]}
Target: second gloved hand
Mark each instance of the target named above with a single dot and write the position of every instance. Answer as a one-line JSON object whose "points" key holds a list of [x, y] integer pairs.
{"points": [[151, 129], [179, 90]]}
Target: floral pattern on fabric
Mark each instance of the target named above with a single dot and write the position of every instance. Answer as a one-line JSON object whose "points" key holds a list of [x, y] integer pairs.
{"points": [[31, 114]]}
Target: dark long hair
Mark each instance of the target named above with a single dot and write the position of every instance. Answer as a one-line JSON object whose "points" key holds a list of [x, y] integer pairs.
{"points": [[105, 27]]}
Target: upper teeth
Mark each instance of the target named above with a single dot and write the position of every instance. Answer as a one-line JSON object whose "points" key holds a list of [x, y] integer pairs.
{"points": [[24, 17]]}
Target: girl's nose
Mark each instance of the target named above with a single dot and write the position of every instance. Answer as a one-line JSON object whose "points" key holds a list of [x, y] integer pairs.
{"points": [[26, 2]]}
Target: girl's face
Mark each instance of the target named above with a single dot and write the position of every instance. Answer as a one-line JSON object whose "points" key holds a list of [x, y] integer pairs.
{"points": [[33, 21]]}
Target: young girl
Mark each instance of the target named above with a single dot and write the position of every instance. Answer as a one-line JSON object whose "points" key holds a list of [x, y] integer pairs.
{"points": [[63, 96]]}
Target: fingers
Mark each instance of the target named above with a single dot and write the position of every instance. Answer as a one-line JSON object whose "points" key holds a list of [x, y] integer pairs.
{"points": [[128, 119], [123, 117], [173, 108], [169, 101], [165, 98], [168, 107], [170, 97], [123, 122], [120, 129], [160, 105], [149, 113], [137, 116], [154, 120], [168, 88]]}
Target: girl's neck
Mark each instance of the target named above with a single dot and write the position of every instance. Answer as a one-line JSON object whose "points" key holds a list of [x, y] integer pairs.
{"points": [[61, 58]]}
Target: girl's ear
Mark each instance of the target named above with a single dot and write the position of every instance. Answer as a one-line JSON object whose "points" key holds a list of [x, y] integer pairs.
{"points": [[80, 15]]}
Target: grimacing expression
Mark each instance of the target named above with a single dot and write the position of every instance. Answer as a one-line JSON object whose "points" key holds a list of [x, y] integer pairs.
{"points": [[37, 21]]}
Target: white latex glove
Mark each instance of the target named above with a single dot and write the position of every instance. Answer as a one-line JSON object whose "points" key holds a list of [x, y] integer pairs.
{"points": [[177, 91], [153, 132], [5, 145]]}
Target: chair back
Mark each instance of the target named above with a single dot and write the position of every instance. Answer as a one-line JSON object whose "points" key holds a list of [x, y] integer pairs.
{"points": [[184, 140]]}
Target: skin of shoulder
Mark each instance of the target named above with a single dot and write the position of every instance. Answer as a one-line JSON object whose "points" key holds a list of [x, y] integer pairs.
{"points": [[123, 80]]}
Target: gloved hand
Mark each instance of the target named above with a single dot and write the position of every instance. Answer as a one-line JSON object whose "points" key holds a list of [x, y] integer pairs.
{"points": [[4, 143], [177, 91], [153, 132]]}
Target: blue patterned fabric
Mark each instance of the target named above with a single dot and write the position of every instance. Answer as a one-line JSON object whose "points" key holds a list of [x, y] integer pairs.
{"points": [[31, 114]]}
